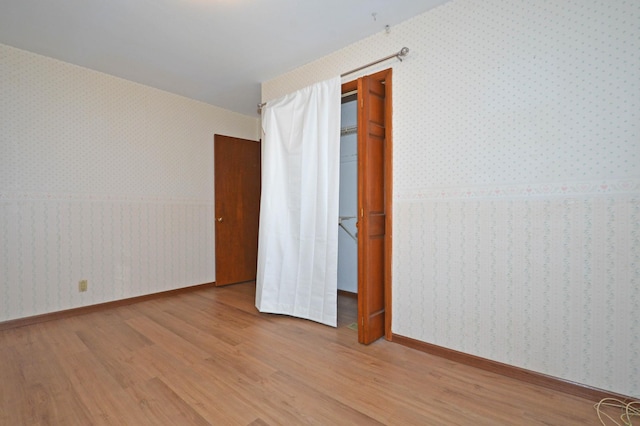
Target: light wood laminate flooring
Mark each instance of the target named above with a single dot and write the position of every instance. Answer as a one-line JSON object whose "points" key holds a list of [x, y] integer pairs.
{"points": [[207, 357]]}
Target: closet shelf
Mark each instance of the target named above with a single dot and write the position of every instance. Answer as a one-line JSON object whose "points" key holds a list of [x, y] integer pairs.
{"points": [[354, 237], [348, 130]]}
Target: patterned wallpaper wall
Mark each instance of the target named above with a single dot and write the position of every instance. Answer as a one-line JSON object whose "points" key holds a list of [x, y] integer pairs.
{"points": [[516, 181], [101, 179]]}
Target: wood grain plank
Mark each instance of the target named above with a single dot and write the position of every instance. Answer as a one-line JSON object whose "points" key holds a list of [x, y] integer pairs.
{"points": [[163, 406]]}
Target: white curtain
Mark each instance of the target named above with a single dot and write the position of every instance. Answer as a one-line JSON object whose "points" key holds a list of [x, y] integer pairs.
{"points": [[298, 235]]}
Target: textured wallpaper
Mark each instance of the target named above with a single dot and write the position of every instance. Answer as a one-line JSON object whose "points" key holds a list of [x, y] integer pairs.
{"points": [[516, 145], [101, 179]]}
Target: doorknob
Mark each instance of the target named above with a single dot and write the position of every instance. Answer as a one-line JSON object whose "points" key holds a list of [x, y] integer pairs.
{"points": [[219, 219]]}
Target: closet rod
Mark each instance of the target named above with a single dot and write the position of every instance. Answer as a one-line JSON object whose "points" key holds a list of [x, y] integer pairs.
{"points": [[401, 54]]}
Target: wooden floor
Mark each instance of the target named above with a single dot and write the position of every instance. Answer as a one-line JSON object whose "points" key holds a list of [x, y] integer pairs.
{"points": [[208, 357]]}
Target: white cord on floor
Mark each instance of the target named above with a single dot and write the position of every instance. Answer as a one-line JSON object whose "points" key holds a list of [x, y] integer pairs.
{"points": [[629, 410]]}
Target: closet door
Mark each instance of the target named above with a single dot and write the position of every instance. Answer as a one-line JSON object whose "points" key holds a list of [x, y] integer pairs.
{"points": [[374, 183]]}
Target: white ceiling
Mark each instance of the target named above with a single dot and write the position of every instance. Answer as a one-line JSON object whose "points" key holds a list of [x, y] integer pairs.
{"points": [[216, 51]]}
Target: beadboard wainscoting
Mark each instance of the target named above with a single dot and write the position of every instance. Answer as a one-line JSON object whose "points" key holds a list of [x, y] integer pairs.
{"points": [[550, 283]]}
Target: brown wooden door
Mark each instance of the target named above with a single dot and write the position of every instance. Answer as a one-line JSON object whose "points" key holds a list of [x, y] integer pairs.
{"points": [[237, 208], [373, 182]]}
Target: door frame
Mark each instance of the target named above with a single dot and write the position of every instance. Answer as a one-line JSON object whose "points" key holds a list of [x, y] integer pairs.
{"points": [[351, 86]]}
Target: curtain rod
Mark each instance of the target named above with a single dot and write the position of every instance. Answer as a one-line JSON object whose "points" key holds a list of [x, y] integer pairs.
{"points": [[401, 54]]}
